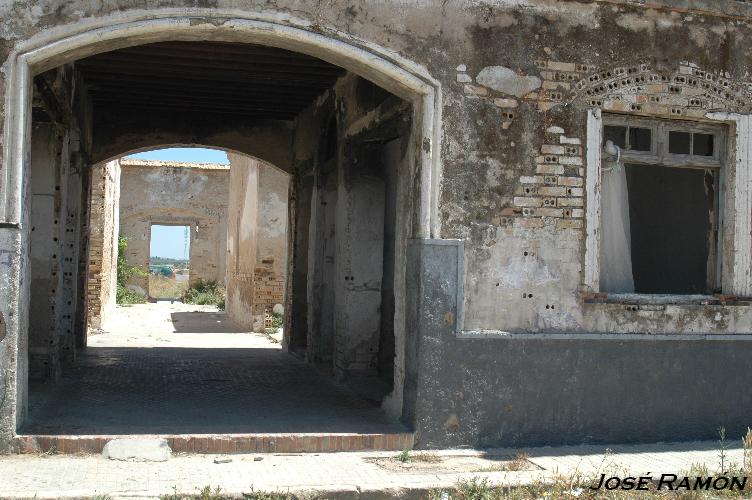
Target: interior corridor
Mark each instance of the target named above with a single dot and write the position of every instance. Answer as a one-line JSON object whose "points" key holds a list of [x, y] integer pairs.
{"points": [[167, 368]]}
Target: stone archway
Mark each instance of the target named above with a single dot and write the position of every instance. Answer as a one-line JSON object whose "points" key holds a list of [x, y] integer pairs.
{"points": [[61, 45], [66, 44]]}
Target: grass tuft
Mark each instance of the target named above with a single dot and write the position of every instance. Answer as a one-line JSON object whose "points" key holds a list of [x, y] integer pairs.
{"points": [[208, 293], [207, 493]]}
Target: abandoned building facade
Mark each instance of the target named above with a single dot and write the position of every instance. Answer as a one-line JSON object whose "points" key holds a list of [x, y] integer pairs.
{"points": [[529, 220]]}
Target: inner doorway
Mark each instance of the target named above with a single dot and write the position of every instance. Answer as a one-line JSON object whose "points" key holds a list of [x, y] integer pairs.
{"points": [[169, 261]]}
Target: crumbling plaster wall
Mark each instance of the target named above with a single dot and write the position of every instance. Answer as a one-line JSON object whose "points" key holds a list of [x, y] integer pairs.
{"points": [[517, 199], [493, 390], [172, 193], [104, 228], [256, 241], [345, 195]]}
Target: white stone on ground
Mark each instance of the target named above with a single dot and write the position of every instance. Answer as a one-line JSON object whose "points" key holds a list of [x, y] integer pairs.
{"points": [[138, 450]]}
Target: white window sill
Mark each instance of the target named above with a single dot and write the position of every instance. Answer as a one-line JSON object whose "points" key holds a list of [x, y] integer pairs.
{"points": [[505, 335], [638, 299]]}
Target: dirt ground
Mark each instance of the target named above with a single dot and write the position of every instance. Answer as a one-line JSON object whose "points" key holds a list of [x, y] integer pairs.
{"points": [[162, 287]]}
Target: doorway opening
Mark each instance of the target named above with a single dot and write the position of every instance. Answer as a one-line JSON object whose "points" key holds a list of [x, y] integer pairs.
{"points": [[305, 93], [169, 261]]}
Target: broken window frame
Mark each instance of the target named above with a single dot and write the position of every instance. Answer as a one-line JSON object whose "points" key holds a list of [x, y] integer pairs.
{"points": [[659, 155]]}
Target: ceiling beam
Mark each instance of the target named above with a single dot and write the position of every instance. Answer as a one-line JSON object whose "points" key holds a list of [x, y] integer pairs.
{"points": [[150, 110], [199, 74], [243, 65], [188, 100], [206, 94], [206, 106], [99, 83]]}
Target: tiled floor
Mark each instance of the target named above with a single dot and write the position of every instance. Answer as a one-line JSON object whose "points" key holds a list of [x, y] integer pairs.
{"points": [[163, 369]]}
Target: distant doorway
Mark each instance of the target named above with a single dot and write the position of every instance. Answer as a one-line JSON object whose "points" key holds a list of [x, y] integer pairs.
{"points": [[169, 261]]}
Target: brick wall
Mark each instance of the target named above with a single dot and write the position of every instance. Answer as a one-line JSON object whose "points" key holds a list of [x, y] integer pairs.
{"points": [[268, 289], [103, 229]]}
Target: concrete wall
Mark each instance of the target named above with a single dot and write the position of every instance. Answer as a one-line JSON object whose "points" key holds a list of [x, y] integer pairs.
{"points": [[481, 390], [104, 228], [169, 193], [256, 241]]}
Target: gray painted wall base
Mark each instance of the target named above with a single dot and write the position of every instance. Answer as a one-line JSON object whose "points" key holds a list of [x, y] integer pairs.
{"points": [[488, 392]]}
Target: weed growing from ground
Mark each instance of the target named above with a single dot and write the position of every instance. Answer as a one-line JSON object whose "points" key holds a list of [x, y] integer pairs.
{"points": [[722, 447], [403, 456], [208, 293], [207, 493], [747, 450]]}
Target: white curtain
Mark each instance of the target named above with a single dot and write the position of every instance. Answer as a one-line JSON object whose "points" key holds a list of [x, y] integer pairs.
{"points": [[616, 253]]}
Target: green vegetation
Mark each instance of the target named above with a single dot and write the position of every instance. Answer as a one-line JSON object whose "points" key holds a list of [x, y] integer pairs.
{"points": [[403, 456], [207, 493], [578, 486], [208, 293], [278, 321], [124, 273], [167, 261]]}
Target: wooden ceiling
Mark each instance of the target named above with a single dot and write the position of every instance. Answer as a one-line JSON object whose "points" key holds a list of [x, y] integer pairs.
{"points": [[253, 81]]}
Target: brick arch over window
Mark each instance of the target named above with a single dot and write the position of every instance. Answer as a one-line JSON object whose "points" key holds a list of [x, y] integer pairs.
{"points": [[687, 91]]}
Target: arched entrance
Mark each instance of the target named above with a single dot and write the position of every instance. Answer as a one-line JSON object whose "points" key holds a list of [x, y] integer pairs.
{"points": [[414, 206]]}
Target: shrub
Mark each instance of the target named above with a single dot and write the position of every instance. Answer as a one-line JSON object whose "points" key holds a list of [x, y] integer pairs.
{"points": [[208, 293], [124, 273], [278, 321]]}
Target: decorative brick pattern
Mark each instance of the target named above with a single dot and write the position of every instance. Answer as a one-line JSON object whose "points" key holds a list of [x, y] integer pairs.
{"points": [[555, 190], [687, 92]]}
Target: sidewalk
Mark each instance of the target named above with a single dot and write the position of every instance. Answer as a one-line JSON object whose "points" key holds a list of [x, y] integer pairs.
{"points": [[336, 475]]}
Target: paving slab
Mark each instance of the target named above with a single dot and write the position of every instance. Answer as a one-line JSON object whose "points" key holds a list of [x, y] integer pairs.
{"points": [[335, 475], [138, 450]]}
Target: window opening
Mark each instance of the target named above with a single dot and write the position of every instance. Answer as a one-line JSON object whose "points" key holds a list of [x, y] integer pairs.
{"points": [[660, 221]]}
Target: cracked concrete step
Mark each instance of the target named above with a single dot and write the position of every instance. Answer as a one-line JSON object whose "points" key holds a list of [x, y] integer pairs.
{"points": [[226, 443], [138, 450]]}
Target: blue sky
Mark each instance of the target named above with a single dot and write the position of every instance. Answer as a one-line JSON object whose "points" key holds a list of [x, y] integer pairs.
{"points": [[169, 241], [196, 155]]}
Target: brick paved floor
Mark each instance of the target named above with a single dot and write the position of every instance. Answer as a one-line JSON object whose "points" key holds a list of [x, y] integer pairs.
{"points": [[163, 368]]}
